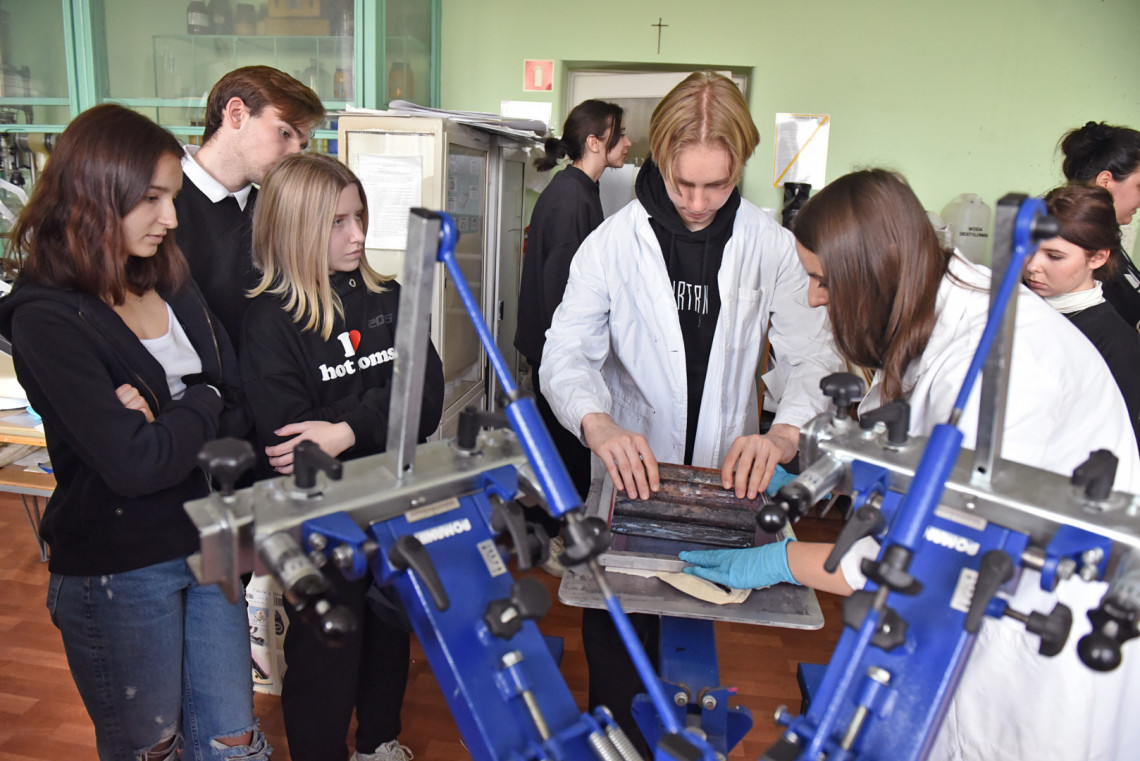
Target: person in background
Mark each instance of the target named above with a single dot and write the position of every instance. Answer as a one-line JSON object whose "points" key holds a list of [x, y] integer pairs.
{"points": [[914, 313], [132, 375], [255, 115], [1109, 157], [1067, 271], [569, 209], [317, 308], [653, 352]]}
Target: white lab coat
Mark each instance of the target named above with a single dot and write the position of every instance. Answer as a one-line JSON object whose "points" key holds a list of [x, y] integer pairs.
{"points": [[615, 343], [1062, 404]]}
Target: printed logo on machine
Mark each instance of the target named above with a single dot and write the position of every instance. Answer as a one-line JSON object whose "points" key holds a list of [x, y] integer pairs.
{"points": [[944, 538], [350, 340], [443, 531]]}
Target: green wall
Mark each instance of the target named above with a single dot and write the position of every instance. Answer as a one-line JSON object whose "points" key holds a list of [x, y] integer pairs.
{"points": [[969, 96]]}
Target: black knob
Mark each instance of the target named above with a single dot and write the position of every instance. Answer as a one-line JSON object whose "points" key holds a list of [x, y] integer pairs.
{"points": [[1053, 629], [892, 571], [1100, 648], [895, 414], [529, 600], [867, 521], [529, 543], [226, 460], [410, 553], [996, 569], [335, 625], [1096, 474], [772, 517], [308, 458], [844, 389], [471, 421], [585, 538]]}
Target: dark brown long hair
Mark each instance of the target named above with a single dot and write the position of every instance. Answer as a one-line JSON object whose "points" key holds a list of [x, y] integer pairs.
{"points": [[1088, 219], [70, 233], [882, 265]]}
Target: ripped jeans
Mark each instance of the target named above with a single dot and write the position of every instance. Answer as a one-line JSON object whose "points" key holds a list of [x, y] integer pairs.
{"points": [[159, 660]]}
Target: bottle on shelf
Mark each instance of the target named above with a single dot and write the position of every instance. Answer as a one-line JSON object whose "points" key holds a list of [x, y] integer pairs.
{"points": [[198, 18], [245, 19], [221, 16]]}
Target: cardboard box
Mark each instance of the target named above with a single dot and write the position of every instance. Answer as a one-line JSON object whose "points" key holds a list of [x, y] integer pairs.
{"points": [[294, 8], [315, 27]]}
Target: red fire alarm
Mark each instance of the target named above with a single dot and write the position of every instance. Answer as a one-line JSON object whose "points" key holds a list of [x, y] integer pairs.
{"points": [[538, 75]]}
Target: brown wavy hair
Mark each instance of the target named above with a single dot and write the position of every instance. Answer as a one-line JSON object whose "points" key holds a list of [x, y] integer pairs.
{"points": [[1088, 219], [261, 86], [882, 265], [70, 234]]}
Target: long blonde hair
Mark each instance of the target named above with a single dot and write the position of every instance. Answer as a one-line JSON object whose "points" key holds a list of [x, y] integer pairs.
{"points": [[292, 223]]}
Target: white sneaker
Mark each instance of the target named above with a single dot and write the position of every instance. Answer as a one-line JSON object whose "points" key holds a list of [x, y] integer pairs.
{"points": [[554, 566], [389, 751]]}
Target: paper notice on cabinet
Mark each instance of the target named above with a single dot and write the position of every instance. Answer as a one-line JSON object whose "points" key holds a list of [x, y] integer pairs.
{"points": [[394, 184], [801, 149]]}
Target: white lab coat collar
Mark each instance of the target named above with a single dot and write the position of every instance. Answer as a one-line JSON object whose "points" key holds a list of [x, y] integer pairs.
{"points": [[205, 182]]}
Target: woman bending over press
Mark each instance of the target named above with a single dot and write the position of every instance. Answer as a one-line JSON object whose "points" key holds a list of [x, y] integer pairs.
{"points": [[132, 375], [914, 313]]}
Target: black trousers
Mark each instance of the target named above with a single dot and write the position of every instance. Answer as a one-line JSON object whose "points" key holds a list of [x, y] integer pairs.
{"points": [[614, 681], [574, 454], [323, 684]]}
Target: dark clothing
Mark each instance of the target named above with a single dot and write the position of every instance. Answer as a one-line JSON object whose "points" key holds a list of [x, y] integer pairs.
{"points": [[575, 456], [569, 209], [614, 682], [216, 239], [565, 214], [293, 375], [1119, 344], [120, 482], [368, 671], [693, 262], [1123, 290]]}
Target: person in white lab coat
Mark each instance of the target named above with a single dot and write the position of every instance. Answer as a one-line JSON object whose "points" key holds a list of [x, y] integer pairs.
{"points": [[914, 313], [653, 352]]}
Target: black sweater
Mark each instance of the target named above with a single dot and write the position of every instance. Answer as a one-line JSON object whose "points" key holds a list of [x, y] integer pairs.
{"points": [[120, 481], [567, 211], [292, 375], [216, 239], [692, 260], [1119, 344]]}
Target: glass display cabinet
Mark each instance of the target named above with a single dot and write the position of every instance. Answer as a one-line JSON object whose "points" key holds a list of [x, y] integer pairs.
{"points": [[161, 57]]}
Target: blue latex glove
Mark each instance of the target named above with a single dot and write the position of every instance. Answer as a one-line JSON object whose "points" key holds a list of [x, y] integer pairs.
{"points": [[779, 478], [748, 568]]}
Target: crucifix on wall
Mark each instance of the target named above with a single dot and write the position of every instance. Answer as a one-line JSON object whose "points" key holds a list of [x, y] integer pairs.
{"points": [[659, 26]]}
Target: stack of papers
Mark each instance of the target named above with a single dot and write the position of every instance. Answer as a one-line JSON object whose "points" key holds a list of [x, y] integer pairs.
{"points": [[530, 129]]}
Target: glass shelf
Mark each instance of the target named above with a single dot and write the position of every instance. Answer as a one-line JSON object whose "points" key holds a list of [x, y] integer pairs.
{"points": [[186, 66]]}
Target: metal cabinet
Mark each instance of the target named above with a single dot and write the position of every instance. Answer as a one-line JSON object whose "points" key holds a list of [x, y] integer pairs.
{"points": [[477, 177]]}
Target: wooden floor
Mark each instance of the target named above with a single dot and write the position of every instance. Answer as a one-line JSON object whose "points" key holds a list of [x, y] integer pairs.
{"points": [[42, 717]]}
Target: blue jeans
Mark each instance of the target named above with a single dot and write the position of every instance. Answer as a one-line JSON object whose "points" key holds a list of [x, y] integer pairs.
{"points": [[159, 660]]}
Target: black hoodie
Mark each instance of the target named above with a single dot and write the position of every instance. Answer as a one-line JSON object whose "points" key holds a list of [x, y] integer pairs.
{"points": [[120, 481], [293, 375], [693, 261]]}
